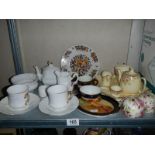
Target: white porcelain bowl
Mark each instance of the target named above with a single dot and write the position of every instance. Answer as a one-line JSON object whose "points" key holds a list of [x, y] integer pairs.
{"points": [[29, 79]]}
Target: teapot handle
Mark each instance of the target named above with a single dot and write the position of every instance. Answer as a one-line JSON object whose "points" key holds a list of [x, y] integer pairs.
{"points": [[144, 85]]}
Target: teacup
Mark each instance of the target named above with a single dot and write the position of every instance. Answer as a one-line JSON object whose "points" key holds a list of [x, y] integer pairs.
{"points": [[86, 80], [18, 96], [58, 96], [90, 92], [115, 90]]}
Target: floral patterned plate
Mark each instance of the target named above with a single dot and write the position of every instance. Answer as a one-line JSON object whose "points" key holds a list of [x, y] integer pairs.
{"points": [[80, 59]]}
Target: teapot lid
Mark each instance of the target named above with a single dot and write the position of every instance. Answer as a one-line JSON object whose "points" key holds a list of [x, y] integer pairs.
{"points": [[50, 66]]}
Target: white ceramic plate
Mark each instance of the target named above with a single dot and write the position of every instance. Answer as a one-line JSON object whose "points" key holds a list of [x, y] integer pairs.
{"points": [[45, 108], [6, 109], [80, 59]]}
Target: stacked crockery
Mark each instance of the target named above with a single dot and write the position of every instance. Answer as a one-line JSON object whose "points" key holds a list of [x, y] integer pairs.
{"points": [[28, 79]]}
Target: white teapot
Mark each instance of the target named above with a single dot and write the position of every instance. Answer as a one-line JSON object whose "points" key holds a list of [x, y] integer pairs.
{"points": [[65, 78], [47, 76]]}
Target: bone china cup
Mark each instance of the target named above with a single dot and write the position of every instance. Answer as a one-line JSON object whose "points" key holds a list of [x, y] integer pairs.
{"points": [[58, 96], [18, 96], [90, 92]]}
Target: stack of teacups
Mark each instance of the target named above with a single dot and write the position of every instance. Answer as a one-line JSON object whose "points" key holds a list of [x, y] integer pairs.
{"points": [[18, 96]]}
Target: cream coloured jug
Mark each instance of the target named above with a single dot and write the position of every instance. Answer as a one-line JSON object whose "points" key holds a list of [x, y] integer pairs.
{"points": [[106, 78], [119, 69]]}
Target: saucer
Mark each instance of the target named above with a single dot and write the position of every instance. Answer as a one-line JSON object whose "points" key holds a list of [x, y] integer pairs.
{"points": [[5, 108], [47, 109]]}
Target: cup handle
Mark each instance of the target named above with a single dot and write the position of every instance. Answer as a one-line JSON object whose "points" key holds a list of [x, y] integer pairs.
{"points": [[144, 85], [95, 82], [70, 95]]}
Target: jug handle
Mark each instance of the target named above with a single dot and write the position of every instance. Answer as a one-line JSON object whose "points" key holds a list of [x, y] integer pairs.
{"points": [[119, 75], [73, 76]]}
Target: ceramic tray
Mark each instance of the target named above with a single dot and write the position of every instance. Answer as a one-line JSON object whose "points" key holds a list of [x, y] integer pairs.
{"points": [[80, 59], [121, 95]]}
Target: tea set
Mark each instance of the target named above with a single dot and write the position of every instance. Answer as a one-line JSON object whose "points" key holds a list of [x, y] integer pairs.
{"points": [[55, 87], [123, 82]]}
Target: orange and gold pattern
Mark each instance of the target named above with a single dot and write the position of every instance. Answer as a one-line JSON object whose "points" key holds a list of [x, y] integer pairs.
{"points": [[98, 105]]}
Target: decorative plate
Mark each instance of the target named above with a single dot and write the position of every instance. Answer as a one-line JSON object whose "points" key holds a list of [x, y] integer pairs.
{"points": [[101, 106], [80, 59]]}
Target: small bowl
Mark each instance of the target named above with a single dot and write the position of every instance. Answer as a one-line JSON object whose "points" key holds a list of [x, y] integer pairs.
{"points": [[29, 79], [90, 91]]}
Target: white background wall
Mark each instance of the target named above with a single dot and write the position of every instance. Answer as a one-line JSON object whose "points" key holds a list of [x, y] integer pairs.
{"points": [[43, 40], [6, 61]]}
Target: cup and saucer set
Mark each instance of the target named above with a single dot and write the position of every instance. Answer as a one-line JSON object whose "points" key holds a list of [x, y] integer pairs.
{"points": [[59, 101], [19, 101]]}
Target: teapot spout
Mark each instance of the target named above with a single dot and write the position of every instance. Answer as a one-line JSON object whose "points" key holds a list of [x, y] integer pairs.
{"points": [[39, 75]]}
